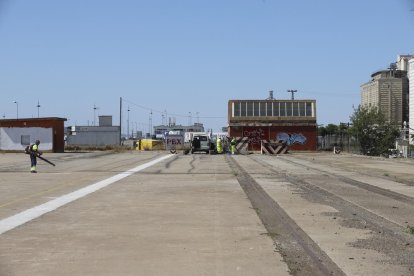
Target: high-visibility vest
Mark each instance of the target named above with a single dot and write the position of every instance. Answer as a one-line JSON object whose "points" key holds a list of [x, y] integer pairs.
{"points": [[219, 146]]}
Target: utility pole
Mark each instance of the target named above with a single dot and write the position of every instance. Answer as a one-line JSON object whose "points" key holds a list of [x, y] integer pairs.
{"points": [[120, 121], [17, 106], [150, 123], [128, 123], [292, 91], [94, 114], [38, 106]]}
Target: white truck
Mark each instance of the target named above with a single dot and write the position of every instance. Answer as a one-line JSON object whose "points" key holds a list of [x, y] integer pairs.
{"points": [[201, 142]]}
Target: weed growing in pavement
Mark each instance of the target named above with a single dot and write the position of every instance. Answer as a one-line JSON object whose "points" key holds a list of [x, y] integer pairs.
{"points": [[272, 235], [410, 229], [256, 209]]}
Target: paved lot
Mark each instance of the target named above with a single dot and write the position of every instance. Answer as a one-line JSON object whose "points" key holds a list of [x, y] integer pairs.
{"points": [[182, 216], [189, 215]]}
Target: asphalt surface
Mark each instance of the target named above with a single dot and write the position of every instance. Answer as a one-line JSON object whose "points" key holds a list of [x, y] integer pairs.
{"points": [[152, 213]]}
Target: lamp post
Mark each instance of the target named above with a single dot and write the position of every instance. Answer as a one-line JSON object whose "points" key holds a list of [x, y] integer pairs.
{"points": [[128, 123], [38, 106], [94, 114], [292, 91], [150, 124], [17, 106]]}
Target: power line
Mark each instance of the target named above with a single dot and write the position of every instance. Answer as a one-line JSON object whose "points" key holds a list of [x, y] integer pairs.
{"points": [[172, 114]]}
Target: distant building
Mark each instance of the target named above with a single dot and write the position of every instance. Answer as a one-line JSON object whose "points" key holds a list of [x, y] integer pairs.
{"points": [[292, 121], [102, 135], [411, 99], [162, 129], [388, 91], [16, 134]]}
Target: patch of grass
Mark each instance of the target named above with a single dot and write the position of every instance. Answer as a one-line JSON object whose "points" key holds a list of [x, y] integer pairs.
{"points": [[386, 174], [410, 229]]}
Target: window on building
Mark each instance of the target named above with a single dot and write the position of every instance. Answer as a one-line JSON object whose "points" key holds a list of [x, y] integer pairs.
{"points": [[243, 109], [276, 109], [282, 109], [302, 109], [308, 109], [263, 109], [249, 109], [236, 109], [269, 109], [256, 109], [25, 140], [289, 109], [295, 109]]}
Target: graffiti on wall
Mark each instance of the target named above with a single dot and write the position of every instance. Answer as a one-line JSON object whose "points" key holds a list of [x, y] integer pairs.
{"points": [[255, 135], [291, 138]]}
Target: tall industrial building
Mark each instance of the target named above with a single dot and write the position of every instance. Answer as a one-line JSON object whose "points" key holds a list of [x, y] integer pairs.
{"points": [[411, 98], [388, 91]]}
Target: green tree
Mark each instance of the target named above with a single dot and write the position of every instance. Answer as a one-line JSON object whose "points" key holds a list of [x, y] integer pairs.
{"points": [[332, 129], [322, 131], [374, 133]]}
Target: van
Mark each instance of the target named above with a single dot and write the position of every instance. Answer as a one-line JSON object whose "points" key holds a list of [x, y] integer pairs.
{"points": [[201, 143]]}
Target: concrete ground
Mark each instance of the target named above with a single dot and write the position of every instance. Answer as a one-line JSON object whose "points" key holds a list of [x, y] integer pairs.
{"points": [[117, 214], [182, 216]]}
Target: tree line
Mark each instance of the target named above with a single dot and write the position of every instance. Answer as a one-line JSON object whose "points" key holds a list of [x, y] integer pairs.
{"points": [[371, 129]]}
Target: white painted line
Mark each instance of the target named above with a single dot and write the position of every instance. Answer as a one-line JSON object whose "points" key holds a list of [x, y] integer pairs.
{"points": [[12, 222]]}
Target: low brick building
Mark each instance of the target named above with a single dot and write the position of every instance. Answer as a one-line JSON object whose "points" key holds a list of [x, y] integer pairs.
{"points": [[292, 121], [15, 134]]}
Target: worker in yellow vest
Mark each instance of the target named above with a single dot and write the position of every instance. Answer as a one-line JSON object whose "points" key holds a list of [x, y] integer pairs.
{"points": [[219, 146], [34, 152], [233, 145]]}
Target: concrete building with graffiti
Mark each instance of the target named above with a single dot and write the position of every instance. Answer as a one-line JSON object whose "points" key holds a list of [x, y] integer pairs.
{"points": [[290, 121]]}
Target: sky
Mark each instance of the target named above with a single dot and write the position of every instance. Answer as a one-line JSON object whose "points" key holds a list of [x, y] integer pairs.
{"points": [[185, 59]]}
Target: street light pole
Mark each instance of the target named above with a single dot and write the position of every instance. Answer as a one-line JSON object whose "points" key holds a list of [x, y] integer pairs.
{"points": [[292, 91], [17, 106], [128, 123], [38, 106], [94, 114], [150, 124]]}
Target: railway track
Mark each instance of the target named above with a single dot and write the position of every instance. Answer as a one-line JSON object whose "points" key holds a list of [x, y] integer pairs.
{"points": [[298, 250], [360, 184], [388, 219]]}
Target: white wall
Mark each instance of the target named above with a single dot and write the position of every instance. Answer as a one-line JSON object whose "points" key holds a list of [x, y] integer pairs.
{"points": [[411, 98], [11, 137]]}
